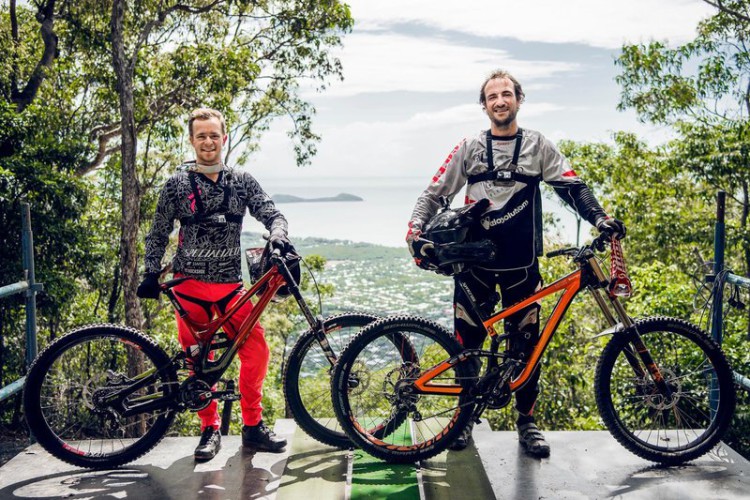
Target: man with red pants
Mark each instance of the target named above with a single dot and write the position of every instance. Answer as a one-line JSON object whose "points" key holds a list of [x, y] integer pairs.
{"points": [[209, 199]]}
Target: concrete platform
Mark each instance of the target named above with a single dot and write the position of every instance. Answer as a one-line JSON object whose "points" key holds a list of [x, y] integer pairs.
{"points": [[592, 465], [167, 472], [583, 465]]}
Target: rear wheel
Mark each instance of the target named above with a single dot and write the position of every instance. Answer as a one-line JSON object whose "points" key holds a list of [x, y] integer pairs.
{"points": [[377, 401], [69, 392], [666, 430], [307, 385]]}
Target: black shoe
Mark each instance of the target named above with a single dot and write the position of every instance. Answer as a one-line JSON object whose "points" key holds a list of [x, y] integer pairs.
{"points": [[209, 445], [464, 439], [261, 438], [532, 440]]}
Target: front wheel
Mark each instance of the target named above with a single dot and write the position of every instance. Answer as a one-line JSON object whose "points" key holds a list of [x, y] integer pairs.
{"points": [[376, 395], [669, 430], [307, 386], [71, 388]]}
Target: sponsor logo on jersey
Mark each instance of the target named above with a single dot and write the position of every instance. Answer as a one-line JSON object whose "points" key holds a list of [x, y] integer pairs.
{"points": [[490, 222], [212, 253]]}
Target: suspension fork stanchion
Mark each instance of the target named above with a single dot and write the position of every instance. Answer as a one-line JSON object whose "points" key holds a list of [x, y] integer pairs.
{"points": [[641, 350], [316, 322]]}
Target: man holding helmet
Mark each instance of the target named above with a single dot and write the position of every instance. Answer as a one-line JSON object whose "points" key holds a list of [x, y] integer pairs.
{"points": [[503, 165], [210, 199]]}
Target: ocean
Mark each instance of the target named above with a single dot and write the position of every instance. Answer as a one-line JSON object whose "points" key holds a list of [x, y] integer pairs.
{"points": [[380, 219]]}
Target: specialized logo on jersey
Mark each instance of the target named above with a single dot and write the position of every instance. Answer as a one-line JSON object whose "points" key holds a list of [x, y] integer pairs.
{"points": [[488, 222], [444, 167], [213, 253]]}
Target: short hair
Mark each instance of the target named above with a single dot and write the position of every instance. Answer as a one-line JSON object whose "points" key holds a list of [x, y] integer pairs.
{"points": [[502, 74], [206, 114]]}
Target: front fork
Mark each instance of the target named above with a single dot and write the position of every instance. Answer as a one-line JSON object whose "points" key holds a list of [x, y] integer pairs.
{"points": [[636, 353]]}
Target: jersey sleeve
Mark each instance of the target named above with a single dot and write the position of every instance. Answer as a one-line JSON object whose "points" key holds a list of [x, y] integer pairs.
{"points": [[557, 172], [262, 207], [446, 183], [158, 238]]}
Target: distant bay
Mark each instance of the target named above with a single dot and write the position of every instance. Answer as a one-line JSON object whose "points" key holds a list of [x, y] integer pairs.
{"points": [[380, 218]]}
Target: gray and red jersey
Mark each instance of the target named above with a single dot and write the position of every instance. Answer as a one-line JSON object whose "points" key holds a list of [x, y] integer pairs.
{"points": [[208, 246], [514, 217]]}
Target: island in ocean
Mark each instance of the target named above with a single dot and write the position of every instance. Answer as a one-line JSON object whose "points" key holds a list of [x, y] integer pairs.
{"points": [[288, 198]]}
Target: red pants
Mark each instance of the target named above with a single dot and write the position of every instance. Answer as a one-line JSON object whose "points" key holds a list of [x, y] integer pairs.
{"points": [[253, 354]]}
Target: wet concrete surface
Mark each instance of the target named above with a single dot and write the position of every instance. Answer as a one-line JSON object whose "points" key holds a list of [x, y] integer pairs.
{"points": [[592, 465], [583, 465], [167, 472]]}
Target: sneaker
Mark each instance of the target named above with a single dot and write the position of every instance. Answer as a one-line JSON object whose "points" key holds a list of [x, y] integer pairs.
{"points": [[209, 445], [464, 439], [532, 440], [262, 438]]}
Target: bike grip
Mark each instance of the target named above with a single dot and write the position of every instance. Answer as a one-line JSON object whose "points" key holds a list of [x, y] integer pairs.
{"points": [[556, 253]]}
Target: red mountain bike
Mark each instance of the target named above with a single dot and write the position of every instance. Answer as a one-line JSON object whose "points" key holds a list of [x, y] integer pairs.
{"points": [[103, 395], [402, 388]]}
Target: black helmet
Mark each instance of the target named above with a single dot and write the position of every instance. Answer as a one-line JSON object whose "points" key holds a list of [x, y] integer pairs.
{"points": [[259, 263], [451, 231]]}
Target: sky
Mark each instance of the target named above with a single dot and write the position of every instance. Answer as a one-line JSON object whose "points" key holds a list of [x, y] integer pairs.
{"points": [[413, 69]]}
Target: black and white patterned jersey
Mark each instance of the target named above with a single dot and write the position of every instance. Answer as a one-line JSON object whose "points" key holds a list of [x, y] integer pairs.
{"points": [[208, 247], [514, 214]]}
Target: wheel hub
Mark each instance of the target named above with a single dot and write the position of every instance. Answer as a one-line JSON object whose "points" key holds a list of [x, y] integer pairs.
{"points": [[655, 399]]}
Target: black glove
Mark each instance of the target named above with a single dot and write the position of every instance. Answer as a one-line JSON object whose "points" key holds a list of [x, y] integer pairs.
{"points": [[423, 252], [612, 227], [280, 241], [149, 287]]}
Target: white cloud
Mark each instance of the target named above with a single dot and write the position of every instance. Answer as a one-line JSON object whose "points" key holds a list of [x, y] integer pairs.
{"points": [[599, 23], [386, 63], [382, 148], [379, 57]]}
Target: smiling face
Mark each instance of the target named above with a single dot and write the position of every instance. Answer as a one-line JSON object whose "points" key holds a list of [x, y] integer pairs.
{"points": [[501, 104], [207, 139]]}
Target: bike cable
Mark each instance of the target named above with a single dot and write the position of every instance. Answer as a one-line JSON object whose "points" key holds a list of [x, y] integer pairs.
{"points": [[315, 282]]}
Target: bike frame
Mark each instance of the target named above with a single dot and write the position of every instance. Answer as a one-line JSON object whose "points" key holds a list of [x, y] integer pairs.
{"points": [[589, 275], [206, 369]]}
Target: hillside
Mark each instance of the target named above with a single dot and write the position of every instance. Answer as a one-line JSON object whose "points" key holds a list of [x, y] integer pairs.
{"points": [[373, 278]]}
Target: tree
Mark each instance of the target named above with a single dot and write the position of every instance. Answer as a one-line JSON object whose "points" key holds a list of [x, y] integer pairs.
{"points": [[702, 89], [295, 32], [23, 94], [738, 10]]}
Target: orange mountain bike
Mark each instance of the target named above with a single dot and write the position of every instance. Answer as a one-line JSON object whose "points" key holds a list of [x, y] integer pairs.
{"points": [[103, 395], [663, 388]]}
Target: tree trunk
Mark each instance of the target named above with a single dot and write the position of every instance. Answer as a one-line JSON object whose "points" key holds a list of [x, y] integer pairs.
{"points": [[114, 294], [123, 67]]}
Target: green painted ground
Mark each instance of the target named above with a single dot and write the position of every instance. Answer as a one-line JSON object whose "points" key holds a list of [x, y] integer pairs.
{"points": [[373, 478]]}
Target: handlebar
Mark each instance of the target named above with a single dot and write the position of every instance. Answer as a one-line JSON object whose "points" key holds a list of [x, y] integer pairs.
{"points": [[598, 244]]}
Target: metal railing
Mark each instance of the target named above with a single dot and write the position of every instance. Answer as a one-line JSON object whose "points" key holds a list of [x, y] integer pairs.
{"points": [[30, 288], [717, 308]]}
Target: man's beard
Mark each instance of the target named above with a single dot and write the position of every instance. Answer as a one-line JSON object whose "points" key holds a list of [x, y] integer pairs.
{"points": [[507, 121]]}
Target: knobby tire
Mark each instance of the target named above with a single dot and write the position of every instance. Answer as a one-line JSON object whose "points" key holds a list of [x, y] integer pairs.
{"points": [[307, 378], [368, 390], [77, 369], [666, 431]]}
